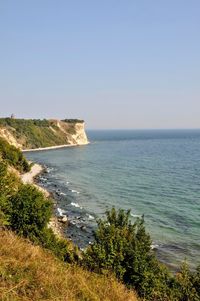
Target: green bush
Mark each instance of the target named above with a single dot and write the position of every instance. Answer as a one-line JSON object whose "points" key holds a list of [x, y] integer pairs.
{"points": [[187, 285], [29, 215], [73, 120], [196, 280], [24, 209], [13, 156], [9, 184], [30, 211], [59, 246], [124, 249]]}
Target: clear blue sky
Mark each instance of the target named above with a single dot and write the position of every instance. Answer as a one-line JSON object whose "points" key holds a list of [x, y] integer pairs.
{"points": [[114, 63]]}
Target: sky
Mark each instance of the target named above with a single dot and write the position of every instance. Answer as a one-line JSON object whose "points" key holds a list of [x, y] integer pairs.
{"points": [[116, 64]]}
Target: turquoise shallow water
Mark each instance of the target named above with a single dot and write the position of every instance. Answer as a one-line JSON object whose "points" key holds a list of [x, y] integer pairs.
{"points": [[155, 173]]}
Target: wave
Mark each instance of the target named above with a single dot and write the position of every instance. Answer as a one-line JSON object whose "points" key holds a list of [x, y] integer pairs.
{"points": [[43, 179], [62, 193], [154, 246], [90, 217], [76, 205], [74, 191], [135, 215], [49, 169], [60, 211]]}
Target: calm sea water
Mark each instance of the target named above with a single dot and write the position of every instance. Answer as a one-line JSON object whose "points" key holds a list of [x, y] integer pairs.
{"points": [[155, 173]]}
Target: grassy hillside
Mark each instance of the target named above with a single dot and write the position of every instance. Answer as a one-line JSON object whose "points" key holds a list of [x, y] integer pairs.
{"points": [[35, 133], [29, 273]]}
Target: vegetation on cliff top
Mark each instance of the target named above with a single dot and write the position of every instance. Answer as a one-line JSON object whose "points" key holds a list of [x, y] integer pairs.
{"points": [[35, 133]]}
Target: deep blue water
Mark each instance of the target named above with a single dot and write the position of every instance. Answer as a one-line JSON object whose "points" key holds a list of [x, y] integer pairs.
{"points": [[152, 172]]}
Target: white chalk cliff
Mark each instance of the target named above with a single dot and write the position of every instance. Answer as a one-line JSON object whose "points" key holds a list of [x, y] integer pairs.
{"points": [[35, 135]]}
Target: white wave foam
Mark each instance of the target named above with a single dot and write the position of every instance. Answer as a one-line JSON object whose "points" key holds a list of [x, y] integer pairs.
{"points": [[154, 246], [62, 193], [90, 217], [76, 205], [135, 215], [49, 169], [74, 191], [60, 211]]}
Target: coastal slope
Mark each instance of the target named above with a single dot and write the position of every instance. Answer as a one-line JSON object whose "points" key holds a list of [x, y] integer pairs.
{"points": [[41, 265], [29, 272], [31, 134]]}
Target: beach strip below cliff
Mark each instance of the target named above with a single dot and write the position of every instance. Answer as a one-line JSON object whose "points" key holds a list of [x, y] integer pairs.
{"points": [[52, 147]]}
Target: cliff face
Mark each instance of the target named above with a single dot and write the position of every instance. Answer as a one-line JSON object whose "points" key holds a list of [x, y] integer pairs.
{"points": [[6, 134], [74, 131], [31, 134]]}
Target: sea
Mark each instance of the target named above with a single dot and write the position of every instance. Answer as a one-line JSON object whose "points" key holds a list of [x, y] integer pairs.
{"points": [[155, 173]]}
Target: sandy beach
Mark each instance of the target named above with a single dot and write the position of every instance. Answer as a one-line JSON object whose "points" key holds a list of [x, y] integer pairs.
{"points": [[28, 178], [52, 147]]}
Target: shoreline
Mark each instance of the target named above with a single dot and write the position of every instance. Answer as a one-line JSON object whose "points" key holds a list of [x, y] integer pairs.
{"points": [[29, 178], [52, 147]]}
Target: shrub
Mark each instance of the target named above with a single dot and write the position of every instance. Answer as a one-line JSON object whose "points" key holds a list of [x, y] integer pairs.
{"points": [[9, 184], [13, 156], [196, 280], [124, 249], [187, 284], [62, 248], [29, 214], [30, 211]]}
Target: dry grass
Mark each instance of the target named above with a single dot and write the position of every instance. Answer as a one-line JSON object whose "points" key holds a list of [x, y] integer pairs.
{"points": [[29, 273]]}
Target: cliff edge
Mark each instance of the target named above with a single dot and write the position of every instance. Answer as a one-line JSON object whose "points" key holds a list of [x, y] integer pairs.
{"points": [[34, 133]]}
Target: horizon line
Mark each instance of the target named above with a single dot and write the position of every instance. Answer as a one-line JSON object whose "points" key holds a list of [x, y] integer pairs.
{"points": [[141, 129]]}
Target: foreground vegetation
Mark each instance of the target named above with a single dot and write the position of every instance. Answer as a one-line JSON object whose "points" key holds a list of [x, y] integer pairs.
{"points": [[13, 156], [30, 273], [120, 249], [124, 249], [35, 133], [25, 210]]}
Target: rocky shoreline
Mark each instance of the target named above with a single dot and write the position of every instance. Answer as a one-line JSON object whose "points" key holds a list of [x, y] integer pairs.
{"points": [[30, 177]]}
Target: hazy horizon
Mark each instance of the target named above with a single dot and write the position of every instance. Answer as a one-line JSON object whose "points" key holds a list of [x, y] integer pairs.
{"points": [[130, 65], [117, 129]]}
